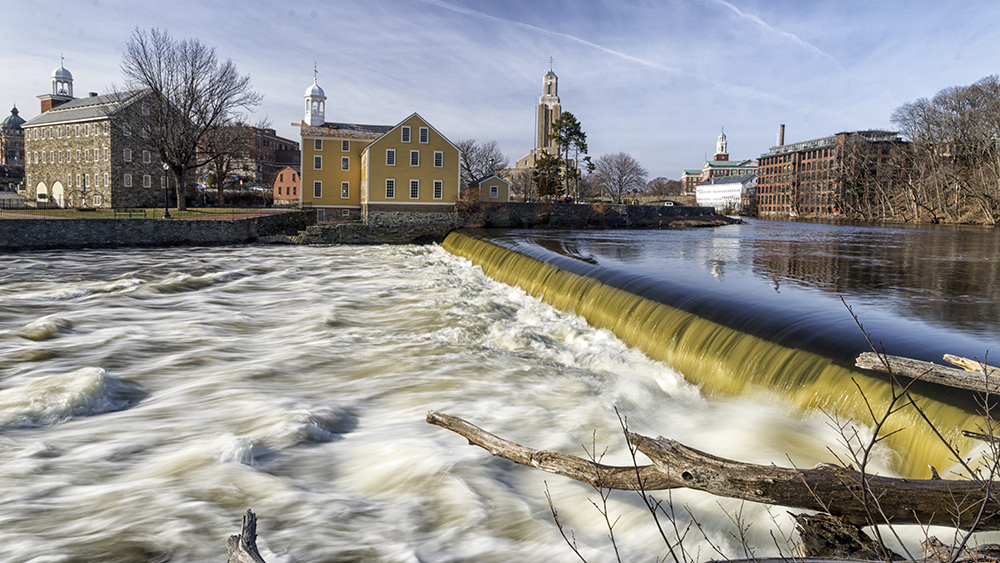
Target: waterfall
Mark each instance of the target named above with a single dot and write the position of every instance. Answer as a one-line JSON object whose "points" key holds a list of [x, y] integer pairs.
{"points": [[724, 361]]}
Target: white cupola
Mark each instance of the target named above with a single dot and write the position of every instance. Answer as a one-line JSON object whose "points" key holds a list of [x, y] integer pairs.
{"points": [[62, 81], [315, 104]]}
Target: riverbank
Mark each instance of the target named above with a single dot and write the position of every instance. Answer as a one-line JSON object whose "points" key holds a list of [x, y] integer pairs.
{"points": [[299, 227]]}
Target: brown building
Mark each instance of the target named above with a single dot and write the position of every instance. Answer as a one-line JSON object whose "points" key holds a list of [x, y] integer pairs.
{"points": [[828, 176], [286, 185], [267, 155]]}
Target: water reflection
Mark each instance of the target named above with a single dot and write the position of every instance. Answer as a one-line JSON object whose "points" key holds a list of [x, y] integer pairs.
{"points": [[923, 292]]}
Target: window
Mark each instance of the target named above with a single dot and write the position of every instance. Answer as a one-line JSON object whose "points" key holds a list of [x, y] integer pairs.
{"points": [[127, 155], [107, 153], [78, 155], [345, 146], [406, 134], [78, 181], [494, 191], [97, 199], [145, 108], [414, 189], [390, 157], [60, 157], [346, 213], [317, 189], [76, 130], [438, 159], [59, 132], [86, 155], [126, 130], [345, 163], [345, 190], [423, 134], [438, 189], [44, 157], [69, 180], [390, 189], [317, 144], [317, 163], [147, 181], [107, 179], [414, 158], [86, 130], [145, 157], [86, 181]]}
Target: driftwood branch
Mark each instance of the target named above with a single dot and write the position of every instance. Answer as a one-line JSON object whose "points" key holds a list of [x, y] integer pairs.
{"points": [[826, 488], [243, 548], [973, 379]]}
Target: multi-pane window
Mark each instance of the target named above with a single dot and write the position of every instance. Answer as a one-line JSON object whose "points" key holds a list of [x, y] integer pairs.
{"points": [[345, 145], [423, 134], [390, 157], [345, 163], [127, 155], [107, 153], [126, 129], [345, 190], [98, 199], [69, 180], [318, 144], [317, 189], [390, 189], [145, 157], [86, 181], [86, 155], [147, 181], [414, 158], [414, 189], [438, 159], [438, 189], [494, 191], [78, 155], [406, 134], [317, 163], [78, 181], [107, 180]]}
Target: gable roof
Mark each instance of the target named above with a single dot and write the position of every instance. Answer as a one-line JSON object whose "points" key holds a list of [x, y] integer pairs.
{"points": [[82, 109], [484, 178], [741, 179], [411, 116]]}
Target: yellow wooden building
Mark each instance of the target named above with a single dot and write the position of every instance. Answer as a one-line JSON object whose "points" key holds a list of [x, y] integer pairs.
{"points": [[491, 188], [406, 173]]}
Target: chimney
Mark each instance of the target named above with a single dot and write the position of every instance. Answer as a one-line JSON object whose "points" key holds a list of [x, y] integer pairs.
{"points": [[93, 94], [781, 135]]}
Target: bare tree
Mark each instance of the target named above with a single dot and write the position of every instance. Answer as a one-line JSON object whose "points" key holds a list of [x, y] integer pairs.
{"points": [[618, 174], [190, 96], [661, 186], [225, 149], [480, 159]]}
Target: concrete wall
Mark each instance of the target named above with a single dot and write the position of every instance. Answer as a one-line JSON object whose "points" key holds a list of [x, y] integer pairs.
{"points": [[39, 234]]}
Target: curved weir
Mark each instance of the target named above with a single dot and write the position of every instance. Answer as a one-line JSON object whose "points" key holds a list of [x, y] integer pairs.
{"points": [[724, 361]]}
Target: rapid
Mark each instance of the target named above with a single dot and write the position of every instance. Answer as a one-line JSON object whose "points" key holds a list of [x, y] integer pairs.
{"points": [[149, 397]]}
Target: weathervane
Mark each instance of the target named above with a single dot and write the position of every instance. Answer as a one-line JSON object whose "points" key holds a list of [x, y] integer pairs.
{"points": [[315, 73], [550, 63]]}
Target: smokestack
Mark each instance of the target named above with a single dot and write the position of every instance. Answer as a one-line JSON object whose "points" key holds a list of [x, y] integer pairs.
{"points": [[781, 135]]}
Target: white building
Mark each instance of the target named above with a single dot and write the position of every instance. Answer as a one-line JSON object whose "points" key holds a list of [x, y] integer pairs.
{"points": [[726, 193]]}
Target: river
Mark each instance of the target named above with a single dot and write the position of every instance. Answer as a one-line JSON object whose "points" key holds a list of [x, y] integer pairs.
{"points": [[149, 397]]}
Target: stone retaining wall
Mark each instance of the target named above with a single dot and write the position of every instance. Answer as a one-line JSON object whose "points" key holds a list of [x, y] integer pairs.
{"points": [[40, 234], [571, 216]]}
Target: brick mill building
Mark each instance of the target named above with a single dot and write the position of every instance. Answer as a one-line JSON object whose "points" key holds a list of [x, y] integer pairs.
{"points": [[83, 152], [827, 176]]}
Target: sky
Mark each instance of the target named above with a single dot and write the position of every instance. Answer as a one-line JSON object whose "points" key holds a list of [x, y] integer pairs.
{"points": [[657, 79]]}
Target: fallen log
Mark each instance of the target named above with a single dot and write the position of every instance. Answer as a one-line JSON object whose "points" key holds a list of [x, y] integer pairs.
{"points": [[826, 488], [973, 379]]}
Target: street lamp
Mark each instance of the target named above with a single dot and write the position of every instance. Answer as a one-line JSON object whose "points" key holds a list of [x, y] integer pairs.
{"points": [[166, 182]]}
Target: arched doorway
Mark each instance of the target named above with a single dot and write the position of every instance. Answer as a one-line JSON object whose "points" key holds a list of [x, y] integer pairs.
{"points": [[41, 193], [57, 194]]}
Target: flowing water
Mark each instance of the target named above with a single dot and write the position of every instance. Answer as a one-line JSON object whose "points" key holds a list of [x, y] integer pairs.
{"points": [[149, 397]]}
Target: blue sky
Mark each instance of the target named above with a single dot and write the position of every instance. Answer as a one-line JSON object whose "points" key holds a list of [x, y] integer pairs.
{"points": [[657, 79]]}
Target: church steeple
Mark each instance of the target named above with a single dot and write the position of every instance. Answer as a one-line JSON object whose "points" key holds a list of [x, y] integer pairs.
{"points": [[721, 151], [549, 109]]}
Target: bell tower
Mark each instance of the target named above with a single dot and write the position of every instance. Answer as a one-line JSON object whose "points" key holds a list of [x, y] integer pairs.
{"points": [[62, 88], [315, 103], [549, 109], [721, 151]]}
